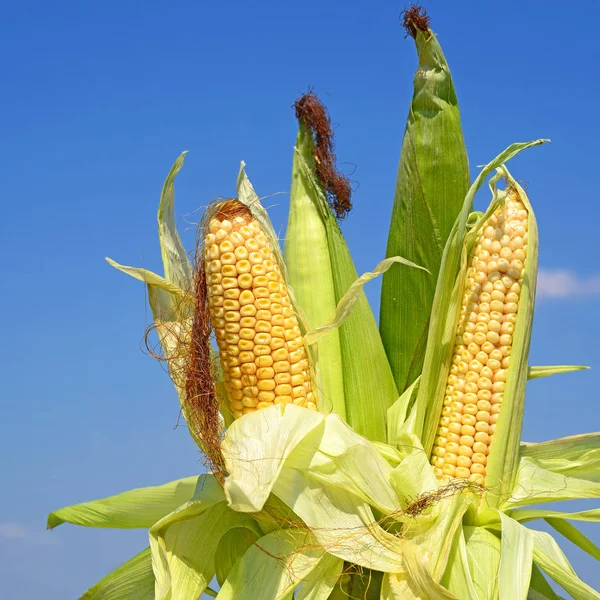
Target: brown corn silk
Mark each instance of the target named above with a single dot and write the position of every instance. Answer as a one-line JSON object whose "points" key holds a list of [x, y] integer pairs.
{"points": [[481, 360], [262, 351]]}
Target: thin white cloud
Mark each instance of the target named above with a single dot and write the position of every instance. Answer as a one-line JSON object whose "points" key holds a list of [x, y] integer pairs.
{"points": [[562, 283], [14, 531]]}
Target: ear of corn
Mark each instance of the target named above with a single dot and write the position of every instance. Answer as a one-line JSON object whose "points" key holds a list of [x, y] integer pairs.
{"points": [[494, 305], [446, 309], [433, 178], [262, 351], [369, 388]]}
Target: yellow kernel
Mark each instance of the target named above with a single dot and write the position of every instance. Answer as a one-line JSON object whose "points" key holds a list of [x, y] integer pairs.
{"points": [[245, 281], [450, 458], [449, 470], [262, 303], [277, 343], [454, 427], [452, 447], [462, 472], [465, 451], [480, 448], [264, 361], [266, 396], [283, 400], [469, 419], [262, 338], [281, 354], [281, 366], [266, 384], [480, 458], [241, 254], [466, 440], [233, 293]]}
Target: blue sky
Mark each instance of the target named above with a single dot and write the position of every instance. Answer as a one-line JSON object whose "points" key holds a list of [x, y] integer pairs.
{"points": [[98, 100]]}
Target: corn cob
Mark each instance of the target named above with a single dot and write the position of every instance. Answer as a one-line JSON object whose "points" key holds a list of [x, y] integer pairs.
{"points": [[261, 347], [483, 343]]}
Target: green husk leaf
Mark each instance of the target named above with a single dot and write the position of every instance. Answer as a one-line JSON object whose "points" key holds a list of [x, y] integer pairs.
{"points": [[133, 580], [346, 305], [402, 414], [414, 474], [483, 550], [575, 536], [457, 578], [138, 508], [446, 307], [231, 547], [515, 560], [174, 257], [369, 388], [433, 178], [255, 450], [273, 567], [550, 558], [575, 456], [181, 571], [321, 583], [337, 456], [151, 280], [539, 588], [529, 514], [535, 485], [342, 523], [310, 271], [537, 372], [504, 457]]}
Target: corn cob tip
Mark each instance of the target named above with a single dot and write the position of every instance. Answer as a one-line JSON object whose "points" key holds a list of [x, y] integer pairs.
{"points": [[414, 18], [261, 347], [311, 111], [480, 364]]}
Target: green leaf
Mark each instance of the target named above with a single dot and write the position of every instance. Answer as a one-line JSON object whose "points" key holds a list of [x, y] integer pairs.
{"points": [[576, 456], [369, 388], [320, 585], [232, 546], [402, 413], [461, 577], [549, 557], [535, 485], [537, 372], [273, 567], [309, 267], [138, 508], [433, 178], [346, 305], [181, 571], [255, 449], [525, 515], [516, 559], [575, 536], [174, 257], [539, 588], [133, 580], [483, 550], [152, 280]]}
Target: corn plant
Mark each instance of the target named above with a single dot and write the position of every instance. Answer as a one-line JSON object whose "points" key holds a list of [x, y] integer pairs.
{"points": [[347, 459]]}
